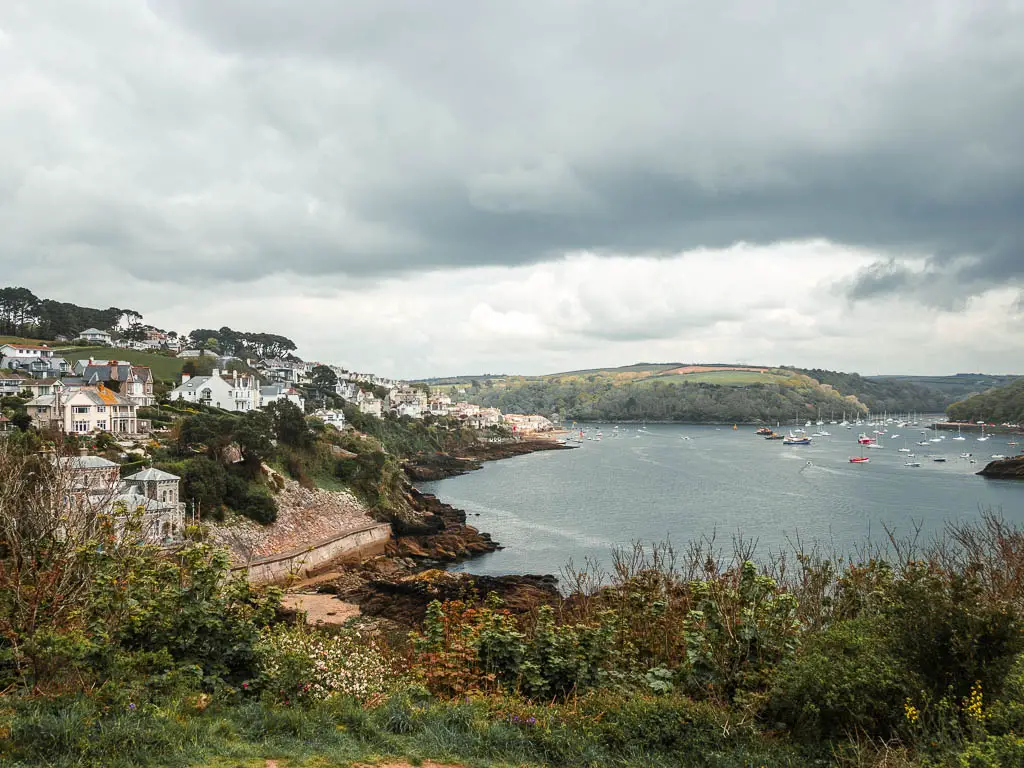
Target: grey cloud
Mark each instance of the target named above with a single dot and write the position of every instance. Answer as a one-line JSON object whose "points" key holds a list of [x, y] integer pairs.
{"points": [[241, 138]]}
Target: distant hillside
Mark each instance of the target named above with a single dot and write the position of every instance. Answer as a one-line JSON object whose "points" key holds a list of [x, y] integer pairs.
{"points": [[956, 387], [1002, 405], [879, 394], [667, 392]]}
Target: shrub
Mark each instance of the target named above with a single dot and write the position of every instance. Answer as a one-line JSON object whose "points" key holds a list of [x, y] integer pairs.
{"points": [[950, 632], [842, 681], [299, 664]]}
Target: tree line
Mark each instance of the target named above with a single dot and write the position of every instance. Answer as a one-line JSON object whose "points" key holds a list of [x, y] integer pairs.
{"points": [[22, 313], [597, 398], [242, 344], [1002, 405]]}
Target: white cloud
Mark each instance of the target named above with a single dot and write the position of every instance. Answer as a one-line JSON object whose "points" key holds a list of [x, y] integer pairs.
{"points": [[755, 304]]}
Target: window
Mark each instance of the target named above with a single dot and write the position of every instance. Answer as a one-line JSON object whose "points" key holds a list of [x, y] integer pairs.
{"points": [[81, 409], [102, 425], [101, 409], [81, 426]]}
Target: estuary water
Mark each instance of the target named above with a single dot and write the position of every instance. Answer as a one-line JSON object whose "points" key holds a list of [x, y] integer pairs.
{"points": [[681, 482]]}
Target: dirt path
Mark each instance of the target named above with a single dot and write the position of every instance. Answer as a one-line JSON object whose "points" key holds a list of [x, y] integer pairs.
{"points": [[321, 609]]}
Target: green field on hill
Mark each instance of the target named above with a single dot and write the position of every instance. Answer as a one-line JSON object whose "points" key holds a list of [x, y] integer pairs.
{"points": [[163, 367], [724, 378], [21, 340]]}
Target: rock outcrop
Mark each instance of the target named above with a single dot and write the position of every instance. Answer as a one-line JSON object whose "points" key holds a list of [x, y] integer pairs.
{"points": [[1005, 469], [438, 466], [405, 600]]}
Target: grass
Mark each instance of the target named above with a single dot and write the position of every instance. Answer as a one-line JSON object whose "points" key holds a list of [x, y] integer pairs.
{"points": [[163, 367], [341, 733], [23, 340]]}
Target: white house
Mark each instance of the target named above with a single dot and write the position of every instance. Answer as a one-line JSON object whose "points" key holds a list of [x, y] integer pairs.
{"points": [[85, 410], [96, 336], [230, 391], [274, 392], [332, 418], [25, 350]]}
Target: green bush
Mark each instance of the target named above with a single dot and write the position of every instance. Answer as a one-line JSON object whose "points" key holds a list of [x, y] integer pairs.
{"points": [[842, 681], [950, 632]]}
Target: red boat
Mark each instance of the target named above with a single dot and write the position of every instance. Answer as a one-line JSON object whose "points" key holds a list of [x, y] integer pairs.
{"points": [[865, 440], [859, 459]]}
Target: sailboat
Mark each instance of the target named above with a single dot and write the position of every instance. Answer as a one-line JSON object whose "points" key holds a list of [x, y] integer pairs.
{"points": [[912, 463], [983, 437], [904, 449], [958, 435]]}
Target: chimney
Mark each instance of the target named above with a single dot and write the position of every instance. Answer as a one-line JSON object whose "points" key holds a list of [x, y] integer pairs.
{"points": [[216, 372], [185, 377]]}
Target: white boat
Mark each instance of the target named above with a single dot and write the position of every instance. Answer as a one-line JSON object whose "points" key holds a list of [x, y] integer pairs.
{"points": [[983, 437], [874, 445], [998, 456], [965, 455], [912, 464], [904, 450], [958, 435]]}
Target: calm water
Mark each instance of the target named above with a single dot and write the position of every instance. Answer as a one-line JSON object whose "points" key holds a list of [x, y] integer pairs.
{"points": [[548, 507]]}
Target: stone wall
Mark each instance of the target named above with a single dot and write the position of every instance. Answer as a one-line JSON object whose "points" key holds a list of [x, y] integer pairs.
{"points": [[306, 561]]}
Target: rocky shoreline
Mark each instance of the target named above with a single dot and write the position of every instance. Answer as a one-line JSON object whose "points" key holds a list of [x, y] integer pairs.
{"points": [[397, 586], [438, 466], [1005, 469]]}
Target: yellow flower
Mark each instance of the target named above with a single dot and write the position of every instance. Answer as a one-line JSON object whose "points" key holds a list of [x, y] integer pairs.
{"points": [[911, 712], [973, 703]]}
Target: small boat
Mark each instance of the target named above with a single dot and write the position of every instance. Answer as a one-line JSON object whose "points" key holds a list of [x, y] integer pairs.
{"points": [[903, 450], [792, 439], [983, 437], [912, 464], [965, 455], [939, 459], [958, 435], [864, 439], [764, 431], [922, 442], [859, 459], [775, 436], [874, 445], [998, 456]]}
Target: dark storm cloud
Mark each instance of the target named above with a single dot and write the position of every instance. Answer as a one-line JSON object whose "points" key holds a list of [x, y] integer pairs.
{"points": [[244, 137]]}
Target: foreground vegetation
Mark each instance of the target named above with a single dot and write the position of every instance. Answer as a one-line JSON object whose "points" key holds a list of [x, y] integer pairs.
{"points": [[115, 653]]}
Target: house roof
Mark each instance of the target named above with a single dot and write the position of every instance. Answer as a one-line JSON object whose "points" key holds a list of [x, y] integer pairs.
{"points": [[113, 370], [152, 474], [24, 346], [93, 330], [3, 418], [87, 462]]}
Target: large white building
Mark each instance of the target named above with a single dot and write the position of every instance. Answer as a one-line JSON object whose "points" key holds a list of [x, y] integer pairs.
{"points": [[229, 391]]}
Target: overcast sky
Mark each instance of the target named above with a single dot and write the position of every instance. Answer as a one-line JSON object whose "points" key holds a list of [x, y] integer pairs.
{"points": [[454, 187]]}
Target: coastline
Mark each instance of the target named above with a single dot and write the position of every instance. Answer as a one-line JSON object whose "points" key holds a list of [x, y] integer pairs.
{"points": [[396, 586]]}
